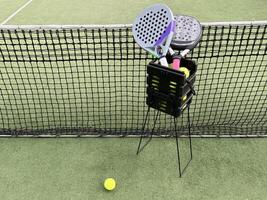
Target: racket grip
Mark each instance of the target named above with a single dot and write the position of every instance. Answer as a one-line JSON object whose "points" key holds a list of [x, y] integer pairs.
{"points": [[176, 61], [163, 61]]}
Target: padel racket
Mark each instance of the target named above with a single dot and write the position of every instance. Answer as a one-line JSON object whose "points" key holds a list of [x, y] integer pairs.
{"points": [[153, 30], [188, 32]]}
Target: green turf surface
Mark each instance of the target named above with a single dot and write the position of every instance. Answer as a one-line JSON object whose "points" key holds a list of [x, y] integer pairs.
{"points": [[121, 11], [232, 169], [8, 7]]}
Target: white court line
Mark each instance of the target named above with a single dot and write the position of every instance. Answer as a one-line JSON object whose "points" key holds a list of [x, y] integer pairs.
{"points": [[16, 12]]}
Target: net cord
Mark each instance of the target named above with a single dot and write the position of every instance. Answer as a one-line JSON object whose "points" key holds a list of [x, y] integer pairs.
{"points": [[117, 26]]}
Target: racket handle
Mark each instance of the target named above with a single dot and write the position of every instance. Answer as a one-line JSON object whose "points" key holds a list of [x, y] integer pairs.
{"points": [[176, 59], [163, 61], [185, 52]]}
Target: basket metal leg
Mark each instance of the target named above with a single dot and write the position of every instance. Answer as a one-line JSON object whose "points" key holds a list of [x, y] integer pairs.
{"points": [[177, 147], [189, 133], [181, 171], [139, 149]]}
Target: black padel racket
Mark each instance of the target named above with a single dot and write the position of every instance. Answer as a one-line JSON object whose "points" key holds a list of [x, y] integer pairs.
{"points": [[187, 35]]}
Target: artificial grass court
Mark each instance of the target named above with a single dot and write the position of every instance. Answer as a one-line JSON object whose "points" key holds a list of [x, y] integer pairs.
{"points": [[124, 11], [233, 169], [75, 169]]}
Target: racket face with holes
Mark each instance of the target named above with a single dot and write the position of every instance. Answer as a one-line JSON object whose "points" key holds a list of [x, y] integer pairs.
{"points": [[188, 32], [153, 29]]}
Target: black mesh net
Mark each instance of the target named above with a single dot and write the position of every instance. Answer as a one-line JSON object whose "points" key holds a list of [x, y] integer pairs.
{"points": [[92, 81]]}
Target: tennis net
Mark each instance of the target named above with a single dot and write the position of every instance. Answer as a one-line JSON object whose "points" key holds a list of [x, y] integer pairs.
{"points": [[91, 81]]}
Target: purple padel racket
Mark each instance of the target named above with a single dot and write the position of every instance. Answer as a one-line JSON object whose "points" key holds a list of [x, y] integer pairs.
{"points": [[153, 30]]}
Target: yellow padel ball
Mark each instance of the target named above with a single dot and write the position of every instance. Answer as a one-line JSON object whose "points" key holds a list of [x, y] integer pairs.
{"points": [[109, 184], [184, 97], [185, 70]]}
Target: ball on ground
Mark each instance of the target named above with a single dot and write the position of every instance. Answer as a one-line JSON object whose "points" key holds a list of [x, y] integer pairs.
{"points": [[185, 71], [109, 184]]}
